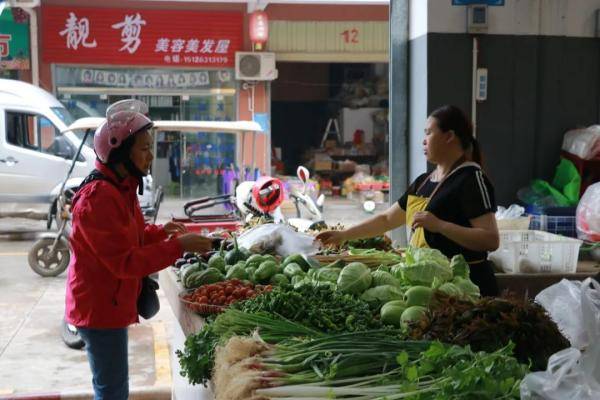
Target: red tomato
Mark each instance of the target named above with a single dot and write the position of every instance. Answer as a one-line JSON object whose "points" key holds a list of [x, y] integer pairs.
{"points": [[222, 300], [203, 300], [250, 293], [229, 289]]}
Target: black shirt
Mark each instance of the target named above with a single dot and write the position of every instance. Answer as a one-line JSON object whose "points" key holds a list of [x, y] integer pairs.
{"points": [[466, 194]]}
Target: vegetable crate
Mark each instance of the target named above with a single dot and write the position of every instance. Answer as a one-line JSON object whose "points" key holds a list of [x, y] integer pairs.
{"points": [[558, 220], [536, 251]]}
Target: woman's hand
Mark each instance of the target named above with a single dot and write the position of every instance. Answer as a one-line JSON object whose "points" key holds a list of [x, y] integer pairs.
{"points": [[427, 221], [195, 243], [331, 237], [174, 228]]}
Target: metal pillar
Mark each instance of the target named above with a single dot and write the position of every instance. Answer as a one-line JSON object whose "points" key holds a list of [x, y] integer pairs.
{"points": [[398, 136]]}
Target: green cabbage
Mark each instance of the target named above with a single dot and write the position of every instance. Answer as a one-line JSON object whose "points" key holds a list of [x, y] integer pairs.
{"points": [[383, 278], [450, 289], [355, 278], [415, 255], [424, 273], [382, 294], [468, 288], [327, 274]]}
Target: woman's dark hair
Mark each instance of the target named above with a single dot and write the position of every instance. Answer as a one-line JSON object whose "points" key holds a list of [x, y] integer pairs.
{"points": [[452, 118]]}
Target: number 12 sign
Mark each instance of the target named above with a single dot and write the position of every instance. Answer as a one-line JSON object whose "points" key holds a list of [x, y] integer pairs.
{"points": [[350, 36]]}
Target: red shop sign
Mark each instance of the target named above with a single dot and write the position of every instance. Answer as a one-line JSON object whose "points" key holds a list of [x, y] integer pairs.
{"points": [[82, 35]]}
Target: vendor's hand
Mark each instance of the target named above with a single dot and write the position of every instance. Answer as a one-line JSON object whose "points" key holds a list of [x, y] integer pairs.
{"points": [[331, 237], [174, 228], [195, 243], [427, 221]]}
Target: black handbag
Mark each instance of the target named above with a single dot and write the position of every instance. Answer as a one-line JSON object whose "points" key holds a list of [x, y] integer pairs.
{"points": [[147, 302]]}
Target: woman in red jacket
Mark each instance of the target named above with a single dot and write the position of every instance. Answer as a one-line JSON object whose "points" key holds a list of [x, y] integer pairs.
{"points": [[112, 248]]}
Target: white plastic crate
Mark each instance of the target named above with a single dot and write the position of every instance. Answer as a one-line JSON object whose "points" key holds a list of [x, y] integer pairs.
{"points": [[536, 251]]}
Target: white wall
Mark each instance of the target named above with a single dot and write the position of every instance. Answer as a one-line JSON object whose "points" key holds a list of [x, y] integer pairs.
{"points": [[417, 18], [574, 18]]}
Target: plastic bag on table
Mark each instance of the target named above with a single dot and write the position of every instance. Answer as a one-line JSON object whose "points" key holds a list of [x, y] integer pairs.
{"points": [[562, 302], [280, 238], [588, 214], [512, 212], [572, 374]]}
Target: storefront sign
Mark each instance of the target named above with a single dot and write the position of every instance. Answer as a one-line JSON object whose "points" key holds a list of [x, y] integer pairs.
{"points": [[141, 37], [329, 36], [14, 42]]}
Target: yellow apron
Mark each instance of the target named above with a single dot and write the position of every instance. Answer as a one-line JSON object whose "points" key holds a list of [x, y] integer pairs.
{"points": [[415, 204]]}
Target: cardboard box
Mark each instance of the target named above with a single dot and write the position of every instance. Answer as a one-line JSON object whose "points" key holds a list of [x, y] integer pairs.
{"points": [[323, 165]]}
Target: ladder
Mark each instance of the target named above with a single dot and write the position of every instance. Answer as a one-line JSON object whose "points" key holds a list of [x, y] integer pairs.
{"points": [[336, 129]]}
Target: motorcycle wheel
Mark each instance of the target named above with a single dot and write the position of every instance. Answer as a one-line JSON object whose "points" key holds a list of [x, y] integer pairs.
{"points": [[43, 262], [70, 336]]}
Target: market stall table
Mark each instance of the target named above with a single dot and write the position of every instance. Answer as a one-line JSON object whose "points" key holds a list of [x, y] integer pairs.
{"points": [[190, 323], [531, 284]]}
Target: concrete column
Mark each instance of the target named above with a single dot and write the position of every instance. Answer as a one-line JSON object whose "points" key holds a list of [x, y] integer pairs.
{"points": [[398, 140]]}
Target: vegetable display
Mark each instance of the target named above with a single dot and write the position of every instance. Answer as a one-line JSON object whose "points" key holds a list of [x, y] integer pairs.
{"points": [[368, 324]]}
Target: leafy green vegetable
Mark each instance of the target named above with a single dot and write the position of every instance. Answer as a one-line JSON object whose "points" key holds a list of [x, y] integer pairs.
{"points": [[450, 289], [468, 288], [425, 272], [383, 278], [197, 358], [381, 294], [327, 274], [355, 278], [320, 308], [459, 266], [415, 255]]}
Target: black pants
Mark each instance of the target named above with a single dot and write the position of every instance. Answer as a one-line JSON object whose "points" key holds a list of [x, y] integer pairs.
{"points": [[482, 274]]}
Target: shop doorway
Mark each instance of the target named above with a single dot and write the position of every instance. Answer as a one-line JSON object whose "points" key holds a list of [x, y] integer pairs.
{"points": [[333, 118]]}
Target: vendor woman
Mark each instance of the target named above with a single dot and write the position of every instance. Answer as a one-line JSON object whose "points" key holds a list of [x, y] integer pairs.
{"points": [[451, 209]]}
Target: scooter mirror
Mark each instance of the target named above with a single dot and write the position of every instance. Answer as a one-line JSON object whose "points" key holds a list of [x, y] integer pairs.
{"points": [[321, 200], [303, 173], [369, 206]]}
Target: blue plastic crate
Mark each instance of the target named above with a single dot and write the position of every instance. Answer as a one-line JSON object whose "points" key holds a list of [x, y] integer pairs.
{"points": [[558, 220]]}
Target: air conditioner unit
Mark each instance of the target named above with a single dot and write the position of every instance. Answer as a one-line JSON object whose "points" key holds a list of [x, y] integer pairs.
{"points": [[255, 66]]}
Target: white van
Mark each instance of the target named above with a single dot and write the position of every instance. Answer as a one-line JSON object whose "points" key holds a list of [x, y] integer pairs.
{"points": [[36, 151]]}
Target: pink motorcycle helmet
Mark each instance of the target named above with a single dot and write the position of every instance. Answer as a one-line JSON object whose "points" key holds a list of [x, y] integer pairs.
{"points": [[124, 118]]}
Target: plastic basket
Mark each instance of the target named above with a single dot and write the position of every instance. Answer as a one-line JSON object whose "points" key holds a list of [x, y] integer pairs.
{"points": [[202, 309], [520, 224], [535, 251]]}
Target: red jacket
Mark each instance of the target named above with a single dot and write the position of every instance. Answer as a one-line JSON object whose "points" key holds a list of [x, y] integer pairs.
{"points": [[111, 250]]}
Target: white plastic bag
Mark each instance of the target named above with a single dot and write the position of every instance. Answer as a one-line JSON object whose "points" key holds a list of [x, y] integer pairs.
{"points": [[282, 237], [512, 212], [584, 143], [562, 301], [572, 374]]}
